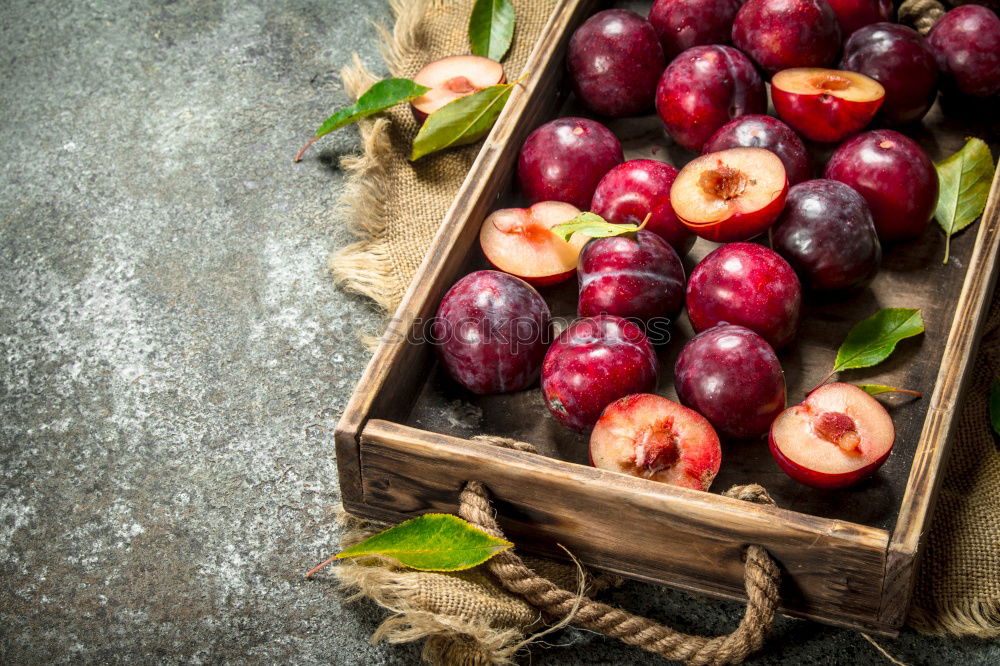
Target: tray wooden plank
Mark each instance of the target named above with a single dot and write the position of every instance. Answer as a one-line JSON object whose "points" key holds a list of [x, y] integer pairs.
{"points": [[639, 528]]}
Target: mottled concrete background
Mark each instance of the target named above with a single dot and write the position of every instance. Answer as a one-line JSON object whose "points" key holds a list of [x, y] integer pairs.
{"points": [[175, 357]]}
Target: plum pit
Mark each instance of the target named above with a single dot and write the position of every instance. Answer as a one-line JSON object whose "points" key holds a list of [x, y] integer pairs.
{"points": [[723, 182]]}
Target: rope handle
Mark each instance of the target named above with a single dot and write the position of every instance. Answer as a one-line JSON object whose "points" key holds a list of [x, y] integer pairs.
{"points": [[921, 14], [761, 579]]}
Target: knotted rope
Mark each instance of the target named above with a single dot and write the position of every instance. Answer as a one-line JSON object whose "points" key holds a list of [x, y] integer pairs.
{"points": [[761, 579], [921, 14]]}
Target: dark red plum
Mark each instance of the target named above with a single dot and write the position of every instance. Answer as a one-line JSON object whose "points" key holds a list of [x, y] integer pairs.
{"points": [[759, 131], [636, 188], [636, 276], [827, 235], [900, 59], [966, 42], [780, 34], [732, 377], [704, 88], [748, 285], [855, 14], [594, 362], [681, 24], [565, 159], [492, 330], [614, 62], [895, 177]]}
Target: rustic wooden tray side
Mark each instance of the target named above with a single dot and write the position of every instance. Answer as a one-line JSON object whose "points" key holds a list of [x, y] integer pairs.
{"points": [[836, 571]]}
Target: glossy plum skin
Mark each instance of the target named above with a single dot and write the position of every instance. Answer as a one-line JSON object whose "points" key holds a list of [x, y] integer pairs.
{"points": [[636, 276], [780, 34], [732, 377], [704, 88], [593, 363], [681, 24], [855, 14], [827, 235], [900, 59], [748, 285], [637, 187], [966, 42], [758, 131], [491, 330], [614, 62], [565, 159], [895, 177]]}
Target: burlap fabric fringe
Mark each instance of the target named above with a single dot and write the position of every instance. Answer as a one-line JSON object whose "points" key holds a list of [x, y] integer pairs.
{"points": [[395, 207]]}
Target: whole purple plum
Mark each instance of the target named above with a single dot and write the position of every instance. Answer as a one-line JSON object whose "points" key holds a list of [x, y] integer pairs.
{"points": [[704, 88], [966, 42], [826, 233], [491, 329], [749, 285], [636, 188], [593, 363], [894, 175], [637, 276], [900, 59], [681, 24], [780, 34], [759, 131], [614, 62], [565, 159], [732, 377]]}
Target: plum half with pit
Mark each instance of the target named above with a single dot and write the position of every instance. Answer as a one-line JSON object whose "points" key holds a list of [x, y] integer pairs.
{"points": [[966, 42], [900, 59], [759, 131], [748, 285], [837, 437], [593, 363], [637, 188], [827, 235], [732, 377], [825, 105], [730, 195], [651, 437], [896, 178], [636, 276], [491, 330], [681, 24], [565, 159], [780, 34], [704, 88], [614, 62]]}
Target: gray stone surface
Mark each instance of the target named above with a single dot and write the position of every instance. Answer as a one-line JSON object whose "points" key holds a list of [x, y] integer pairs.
{"points": [[174, 356]]}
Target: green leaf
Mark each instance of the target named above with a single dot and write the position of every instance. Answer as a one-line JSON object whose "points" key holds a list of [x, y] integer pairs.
{"points": [[593, 225], [491, 28], [379, 97], [995, 405], [461, 121], [873, 339], [878, 389], [964, 179], [432, 542]]}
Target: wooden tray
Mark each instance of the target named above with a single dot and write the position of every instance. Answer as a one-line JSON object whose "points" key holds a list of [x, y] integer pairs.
{"points": [[848, 557]]}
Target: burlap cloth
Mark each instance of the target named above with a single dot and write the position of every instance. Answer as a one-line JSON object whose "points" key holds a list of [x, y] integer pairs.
{"points": [[395, 207]]}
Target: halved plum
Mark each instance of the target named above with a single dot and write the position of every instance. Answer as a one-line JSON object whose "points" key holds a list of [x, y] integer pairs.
{"points": [[730, 195], [826, 104], [519, 241], [837, 437], [453, 77], [651, 437]]}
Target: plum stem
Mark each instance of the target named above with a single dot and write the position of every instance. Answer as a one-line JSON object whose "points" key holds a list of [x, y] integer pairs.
{"points": [[644, 221], [947, 247], [823, 381], [298, 156], [320, 566]]}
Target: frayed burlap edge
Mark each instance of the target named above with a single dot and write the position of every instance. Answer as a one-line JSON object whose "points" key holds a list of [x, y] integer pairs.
{"points": [[364, 267], [980, 618]]}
